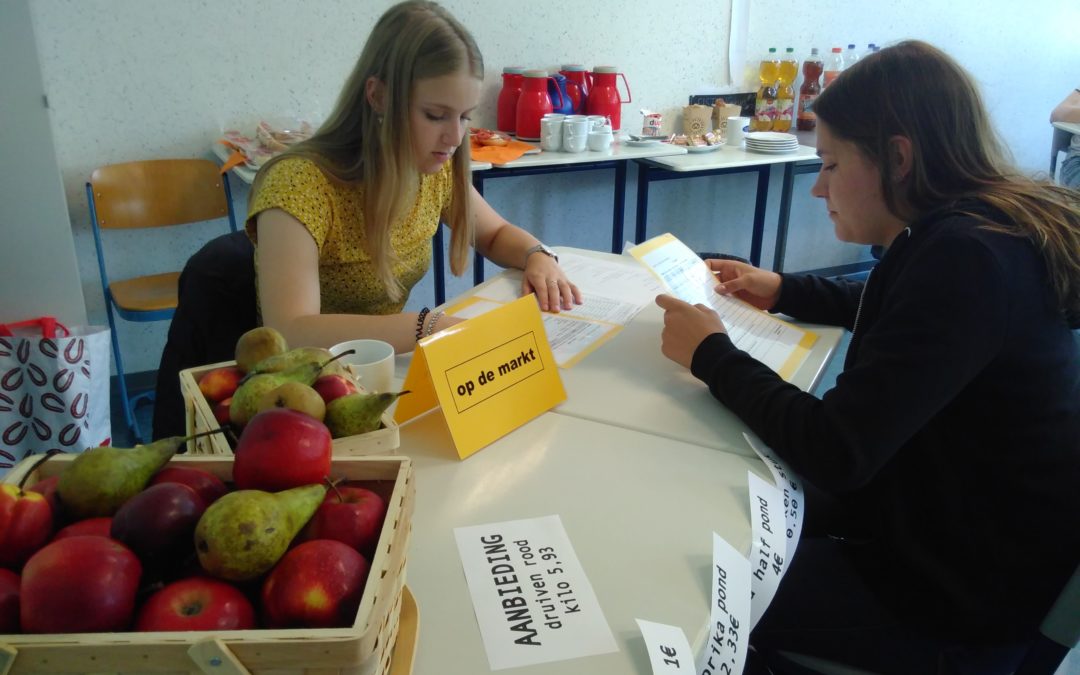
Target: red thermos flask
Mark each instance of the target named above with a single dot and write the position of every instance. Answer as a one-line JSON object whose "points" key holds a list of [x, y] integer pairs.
{"points": [[506, 112], [533, 104], [604, 97], [576, 86]]}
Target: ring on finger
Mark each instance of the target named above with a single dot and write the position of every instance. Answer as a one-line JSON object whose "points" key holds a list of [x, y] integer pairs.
{"points": [[553, 282]]}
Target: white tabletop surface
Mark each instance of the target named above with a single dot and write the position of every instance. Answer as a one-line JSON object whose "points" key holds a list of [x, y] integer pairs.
{"points": [[1071, 127], [730, 157], [639, 511], [618, 151]]}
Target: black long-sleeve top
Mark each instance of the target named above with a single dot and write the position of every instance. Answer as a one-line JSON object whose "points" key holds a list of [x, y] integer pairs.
{"points": [[955, 424]]}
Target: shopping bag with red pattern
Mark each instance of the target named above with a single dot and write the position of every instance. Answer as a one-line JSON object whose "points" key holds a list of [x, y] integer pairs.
{"points": [[54, 389]]}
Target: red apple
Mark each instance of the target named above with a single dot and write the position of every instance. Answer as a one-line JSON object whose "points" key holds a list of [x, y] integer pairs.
{"points": [[197, 603], [205, 484], [9, 602], [351, 515], [47, 487], [281, 449], [26, 523], [318, 584], [221, 411], [158, 524], [79, 585], [220, 383], [93, 527], [334, 386]]}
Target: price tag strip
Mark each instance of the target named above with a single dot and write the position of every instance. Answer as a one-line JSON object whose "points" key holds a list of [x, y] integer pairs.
{"points": [[724, 652], [768, 552], [790, 486], [532, 599], [669, 651]]}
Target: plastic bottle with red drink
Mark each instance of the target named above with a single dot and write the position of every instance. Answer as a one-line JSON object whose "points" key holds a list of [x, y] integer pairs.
{"points": [[765, 104], [785, 91], [834, 65], [812, 68]]}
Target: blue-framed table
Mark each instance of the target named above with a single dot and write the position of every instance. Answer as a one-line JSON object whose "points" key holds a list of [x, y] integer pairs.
{"points": [[726, 161]]}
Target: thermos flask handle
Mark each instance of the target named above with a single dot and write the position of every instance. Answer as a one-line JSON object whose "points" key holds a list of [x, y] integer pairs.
{"points": [[627, 84]]}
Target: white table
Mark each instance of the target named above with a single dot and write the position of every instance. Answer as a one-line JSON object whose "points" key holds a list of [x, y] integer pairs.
{"points": [[1063, 133], [639, 512], [640, 463], [728, 160]]}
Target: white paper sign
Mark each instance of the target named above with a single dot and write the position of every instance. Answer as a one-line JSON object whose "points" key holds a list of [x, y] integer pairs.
{"points": [[768, 550], [729, 634], [669, 650], [790, 486], [532, 599]]}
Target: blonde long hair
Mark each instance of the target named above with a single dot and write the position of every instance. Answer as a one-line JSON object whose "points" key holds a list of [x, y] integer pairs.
{"points": [[412, 41], [916, 91]]}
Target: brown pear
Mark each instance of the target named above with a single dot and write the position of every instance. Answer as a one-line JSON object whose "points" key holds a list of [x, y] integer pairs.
{"points": [[258, 344]]}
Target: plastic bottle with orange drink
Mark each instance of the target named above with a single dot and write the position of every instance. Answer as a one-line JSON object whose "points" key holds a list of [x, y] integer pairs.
{"points": [[834, 64], [765, 105], [785, 91], [808, 93]]}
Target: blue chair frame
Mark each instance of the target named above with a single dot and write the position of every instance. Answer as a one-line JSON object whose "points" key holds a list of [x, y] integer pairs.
{"points": [[131, 400]]}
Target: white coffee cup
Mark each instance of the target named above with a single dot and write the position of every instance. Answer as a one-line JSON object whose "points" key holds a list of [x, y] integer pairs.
{"points": [[576, 133], [599, 121], [551, 133], [372, 362], [736, 128], [600, 139]]}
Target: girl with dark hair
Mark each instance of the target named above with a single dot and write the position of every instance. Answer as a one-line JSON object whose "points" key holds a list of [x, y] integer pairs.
{"points": [[944, 462]]}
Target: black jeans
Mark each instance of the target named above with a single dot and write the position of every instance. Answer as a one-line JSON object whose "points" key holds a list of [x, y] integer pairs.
{"points": [[828, 607], [217, 304]]}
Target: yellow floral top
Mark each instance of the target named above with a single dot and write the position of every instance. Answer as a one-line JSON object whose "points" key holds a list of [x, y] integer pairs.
{"points": [[333, 214]]}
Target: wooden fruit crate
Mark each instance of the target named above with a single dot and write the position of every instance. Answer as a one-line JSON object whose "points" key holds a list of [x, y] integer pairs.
{"points": [[200, 418], [365, 648]]}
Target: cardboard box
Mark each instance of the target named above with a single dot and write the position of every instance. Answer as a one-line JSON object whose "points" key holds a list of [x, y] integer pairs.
{"points": [[200, 417], [365, 648]]}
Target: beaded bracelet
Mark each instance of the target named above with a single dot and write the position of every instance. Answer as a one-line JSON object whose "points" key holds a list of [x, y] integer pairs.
{"points": [[435, 316], [420, 323]]}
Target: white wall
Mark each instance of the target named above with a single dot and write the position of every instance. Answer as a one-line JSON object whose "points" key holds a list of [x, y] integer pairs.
{"points": [[38, 274], [136, 79]]}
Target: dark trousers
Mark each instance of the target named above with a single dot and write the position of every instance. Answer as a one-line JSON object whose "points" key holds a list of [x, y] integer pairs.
{"points": [[828, 606], [217, 304]]}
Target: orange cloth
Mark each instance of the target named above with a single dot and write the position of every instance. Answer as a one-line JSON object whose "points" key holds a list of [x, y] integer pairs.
{"points": [[498, 154]]}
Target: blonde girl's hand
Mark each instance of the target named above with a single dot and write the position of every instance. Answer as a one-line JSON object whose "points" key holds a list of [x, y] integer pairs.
{"points": [[750, 284], [545, 278]]}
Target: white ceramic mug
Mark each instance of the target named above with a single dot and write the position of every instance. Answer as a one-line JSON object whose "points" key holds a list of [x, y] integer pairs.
{"points": [[551, 132], [576, 133], [736, 127], [372, 362], [599, 121], [600, 139]]}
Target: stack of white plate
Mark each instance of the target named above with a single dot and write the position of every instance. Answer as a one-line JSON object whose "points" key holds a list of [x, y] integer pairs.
{"points": [[771, 142]]}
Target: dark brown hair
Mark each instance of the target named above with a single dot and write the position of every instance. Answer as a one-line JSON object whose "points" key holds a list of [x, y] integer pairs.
{"points": [[916, 91]]}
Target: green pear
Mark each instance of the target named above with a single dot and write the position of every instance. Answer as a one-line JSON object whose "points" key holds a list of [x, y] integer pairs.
{"points": [[243, 534], [100, 480], [358, 413], [300, 356], [250, 393], [258, 344]]}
